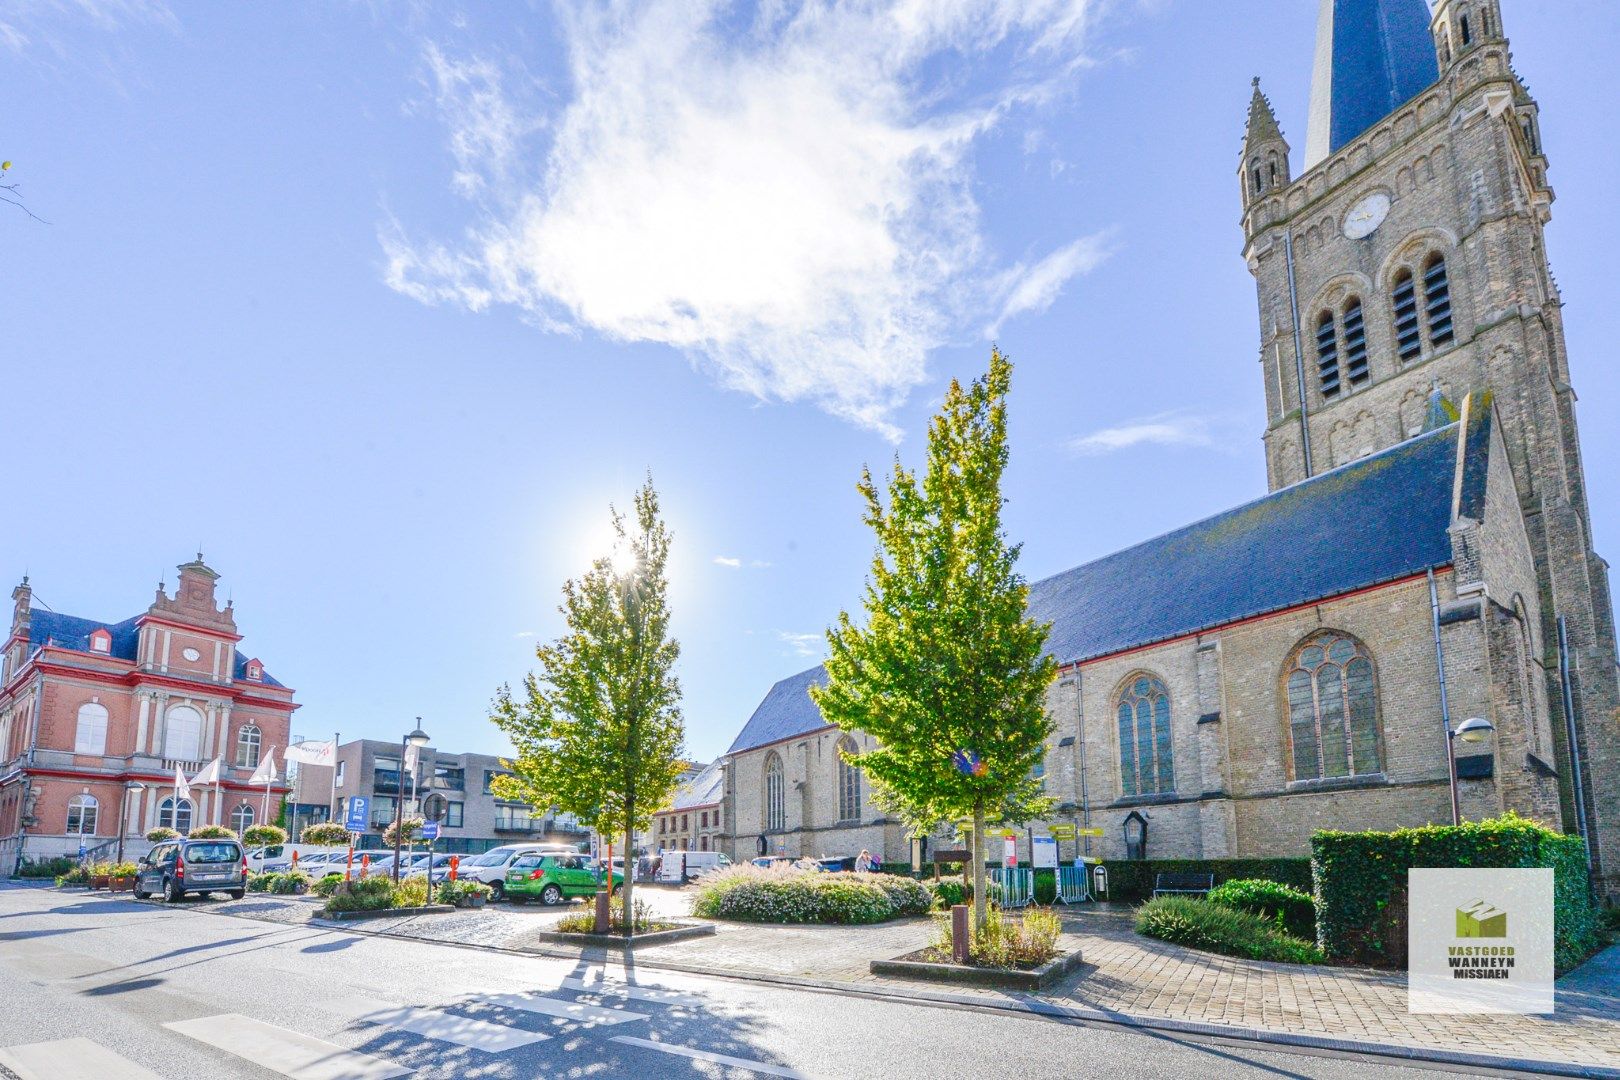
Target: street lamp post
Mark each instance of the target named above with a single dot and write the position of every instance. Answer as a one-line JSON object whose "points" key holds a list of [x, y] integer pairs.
{"points": [[123, 807], [418, 739], [1474, 730]]}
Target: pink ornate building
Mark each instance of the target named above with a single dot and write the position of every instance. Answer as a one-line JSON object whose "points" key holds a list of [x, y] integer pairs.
{"points": [[89, 710]]}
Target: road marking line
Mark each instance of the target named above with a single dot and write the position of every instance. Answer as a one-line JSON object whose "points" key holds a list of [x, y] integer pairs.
{"points": [[635, 993], [290, 1053], [446, 1027], [590, 1015], [70, 1059], [706, 1055]]}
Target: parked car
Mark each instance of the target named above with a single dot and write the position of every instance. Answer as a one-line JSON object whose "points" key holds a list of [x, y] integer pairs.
{"points": [[836, 865], [491, 867], [176, 867], [440, 869], [263, 860], [679, 866], [551, 879]]}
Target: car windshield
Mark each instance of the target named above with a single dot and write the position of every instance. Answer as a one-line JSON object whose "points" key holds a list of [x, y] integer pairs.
{"points": [[489, 858], [212, 853]]}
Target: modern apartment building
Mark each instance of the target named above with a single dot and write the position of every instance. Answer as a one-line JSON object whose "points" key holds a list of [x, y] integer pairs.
{"points": [[476, 819]]}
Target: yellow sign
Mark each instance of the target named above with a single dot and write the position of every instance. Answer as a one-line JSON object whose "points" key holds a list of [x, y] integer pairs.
{"points": [[1062, 832], [1090, 832]]}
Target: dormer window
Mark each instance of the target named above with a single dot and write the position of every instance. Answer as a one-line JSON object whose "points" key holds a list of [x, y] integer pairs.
{"points": [[100, 641], [255, 671]]}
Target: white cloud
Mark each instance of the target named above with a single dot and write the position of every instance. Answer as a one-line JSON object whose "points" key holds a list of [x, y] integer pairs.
{"points": [[788, 202], [524, 633], [1034, 288], [48, 26], [727, 560], [803, 644], [1162, 429]]}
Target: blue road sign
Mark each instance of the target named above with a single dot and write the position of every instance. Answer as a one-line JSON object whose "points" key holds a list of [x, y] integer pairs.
{"points": [[430, 830], [359, 809]]}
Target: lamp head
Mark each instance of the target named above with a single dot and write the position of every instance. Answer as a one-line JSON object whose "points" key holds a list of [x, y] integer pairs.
{"points": [[1474, 730], [418, 738]]}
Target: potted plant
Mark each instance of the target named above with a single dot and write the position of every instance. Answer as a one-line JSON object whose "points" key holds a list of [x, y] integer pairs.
{"points": [[121, 877], [326, 834], [161, 833], [211, 832], [264, 835], [100, 875]]}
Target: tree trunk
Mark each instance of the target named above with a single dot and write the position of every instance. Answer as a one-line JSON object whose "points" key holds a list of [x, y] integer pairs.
{"points": [[629, 873], [977, 847]]}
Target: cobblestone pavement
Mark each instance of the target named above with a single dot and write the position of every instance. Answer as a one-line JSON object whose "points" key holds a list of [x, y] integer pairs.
{"points": [[1123, 974]]}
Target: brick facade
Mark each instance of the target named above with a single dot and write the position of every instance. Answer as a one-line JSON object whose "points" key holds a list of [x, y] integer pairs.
{"points": [[1464, 174], [89, 709]]}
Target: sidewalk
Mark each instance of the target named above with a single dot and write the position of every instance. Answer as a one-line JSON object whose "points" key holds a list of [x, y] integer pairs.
{"points": [[1125, 978]]}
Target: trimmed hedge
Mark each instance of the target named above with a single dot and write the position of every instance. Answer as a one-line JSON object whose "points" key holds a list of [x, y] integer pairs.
{"points": [[46, 868], [1290, 909], [1131, 880], [1361, 883]]}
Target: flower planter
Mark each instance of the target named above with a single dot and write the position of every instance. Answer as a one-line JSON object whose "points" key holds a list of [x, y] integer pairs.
{"points": [[100, 881], [471, 901], [122, 884]]}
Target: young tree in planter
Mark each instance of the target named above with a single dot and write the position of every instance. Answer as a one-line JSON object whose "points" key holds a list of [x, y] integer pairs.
{"points": [[325, 833], [408, 827], [948, 673], [263, 835], [598, 730]]}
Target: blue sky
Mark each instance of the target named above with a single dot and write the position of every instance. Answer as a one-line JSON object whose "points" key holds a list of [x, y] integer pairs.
{"points": [[382, 305]]}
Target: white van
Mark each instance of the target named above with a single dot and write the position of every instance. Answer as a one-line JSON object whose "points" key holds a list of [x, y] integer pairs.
{"points": [[678, 867], [262, 860]]}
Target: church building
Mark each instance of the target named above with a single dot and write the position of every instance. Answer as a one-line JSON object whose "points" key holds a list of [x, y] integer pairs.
{"points": [[95, 717], [1424, 557]]}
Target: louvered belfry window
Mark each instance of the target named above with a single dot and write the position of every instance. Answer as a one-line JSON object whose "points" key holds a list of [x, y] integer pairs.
{"points": [[1327, 355], [1355, 344], [1408, 337], [1437, 302]]}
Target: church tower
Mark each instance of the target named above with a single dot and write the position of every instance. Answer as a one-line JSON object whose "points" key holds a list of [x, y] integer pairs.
{"points": [[1408, 257]]}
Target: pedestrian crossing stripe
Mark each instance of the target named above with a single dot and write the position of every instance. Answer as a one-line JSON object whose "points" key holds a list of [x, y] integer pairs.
{"points": [[70, 1059], [578, 1011], [436, 1024], [289, 1053], [651, 994], [711, 1056]]}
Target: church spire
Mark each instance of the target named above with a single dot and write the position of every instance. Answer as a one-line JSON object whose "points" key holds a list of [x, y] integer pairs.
{"points": [[1262, 120], [1372, 57]]}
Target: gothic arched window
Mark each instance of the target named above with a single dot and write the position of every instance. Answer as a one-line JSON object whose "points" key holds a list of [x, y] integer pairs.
{"points": [[182, 734], [247, 747], [775, 793], [176, 816], [1437, 301], [1327, 355], [1333, 708], [90, 737], [1355, 343], [849, 782], [1145, 758], [81, 815], [1463, 27], [1403, 298], [242, 819]]}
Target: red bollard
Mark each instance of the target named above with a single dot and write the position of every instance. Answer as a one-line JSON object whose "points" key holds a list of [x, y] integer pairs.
{"points": [[455, 861], [365, 866], [959, 934]]}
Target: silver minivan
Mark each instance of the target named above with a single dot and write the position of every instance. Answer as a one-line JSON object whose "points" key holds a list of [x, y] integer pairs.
{"points": [[176, 867]]}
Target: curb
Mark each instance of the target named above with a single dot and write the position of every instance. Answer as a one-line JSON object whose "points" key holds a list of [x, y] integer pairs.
{"points": [[1033, 979], [620, 944], [1042, 1009], [383, 913]]}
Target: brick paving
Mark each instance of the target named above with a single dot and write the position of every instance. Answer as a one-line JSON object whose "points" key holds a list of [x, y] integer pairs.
{"points": [[1123, 974]]}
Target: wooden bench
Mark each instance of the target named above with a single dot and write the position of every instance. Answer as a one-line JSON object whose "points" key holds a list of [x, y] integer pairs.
{"points": [[1183, 883]]}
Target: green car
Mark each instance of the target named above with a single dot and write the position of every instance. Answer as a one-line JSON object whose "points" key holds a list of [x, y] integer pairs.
{"points": [[552, 879]]}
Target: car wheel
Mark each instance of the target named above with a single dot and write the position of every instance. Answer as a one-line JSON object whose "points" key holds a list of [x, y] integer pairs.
{"points": [[497, 891], [551, 895], [237, 894], [172, 892], [141, 894]]}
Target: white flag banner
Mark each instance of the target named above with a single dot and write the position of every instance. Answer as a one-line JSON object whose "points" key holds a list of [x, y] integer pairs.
{"points": [[411, 753], [310, 752], [182, 790], [208, 775], [266, 772]]}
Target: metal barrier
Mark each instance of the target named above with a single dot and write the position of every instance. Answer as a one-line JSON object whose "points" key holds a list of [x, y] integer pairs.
{"points": [[1073, 884], [1013, 887]]}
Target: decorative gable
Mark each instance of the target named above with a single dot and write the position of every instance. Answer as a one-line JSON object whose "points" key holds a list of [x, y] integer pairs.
{"points": [[101, 641]]}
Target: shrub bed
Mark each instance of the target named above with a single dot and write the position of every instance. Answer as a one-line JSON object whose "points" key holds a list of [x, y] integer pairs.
{"points": [[279, 882], [1199, 924], [1361, 883], [787, 895], [1292, 910], [46, 868], [1018, 943], [584, 922]]}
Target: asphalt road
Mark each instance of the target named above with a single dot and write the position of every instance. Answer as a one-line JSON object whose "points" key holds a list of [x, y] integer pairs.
{"points": [[95, 987]]}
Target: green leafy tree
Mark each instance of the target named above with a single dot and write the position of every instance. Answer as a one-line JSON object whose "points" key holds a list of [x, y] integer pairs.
{"points": [[598, 730], [948, 674]]}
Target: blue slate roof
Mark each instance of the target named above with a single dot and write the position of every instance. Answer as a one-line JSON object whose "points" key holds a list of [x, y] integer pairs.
{"points": [[72, 632], [703, 789], [1375, 520], [1372, 57]]}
